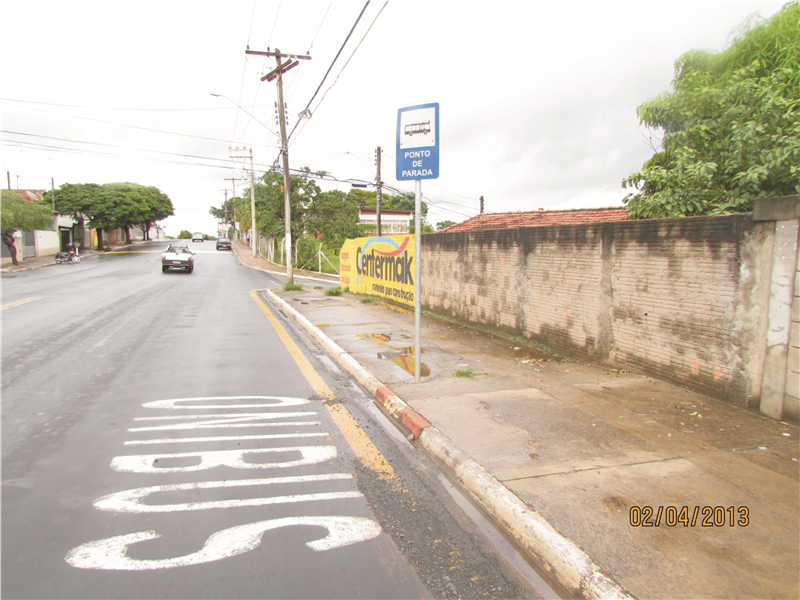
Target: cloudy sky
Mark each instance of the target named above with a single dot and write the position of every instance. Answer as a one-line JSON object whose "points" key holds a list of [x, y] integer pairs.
{"points": [[537, 98]]}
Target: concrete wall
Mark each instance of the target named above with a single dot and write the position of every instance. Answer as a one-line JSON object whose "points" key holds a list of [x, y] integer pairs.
{"points": [[681, 299]]}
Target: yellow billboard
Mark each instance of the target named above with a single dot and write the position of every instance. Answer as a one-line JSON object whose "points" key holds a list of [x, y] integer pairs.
{"points": [[380, 266]]}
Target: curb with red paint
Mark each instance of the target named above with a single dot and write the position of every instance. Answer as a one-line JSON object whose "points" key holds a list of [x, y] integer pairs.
{"points": [[559, 555]]}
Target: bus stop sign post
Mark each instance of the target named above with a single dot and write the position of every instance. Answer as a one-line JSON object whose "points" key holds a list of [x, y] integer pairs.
{"points": [[418, 159]]}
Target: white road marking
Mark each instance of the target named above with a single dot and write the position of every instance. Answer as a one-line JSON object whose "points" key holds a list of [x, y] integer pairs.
{"points": [[225, 421], [225, 438], [111, 553], [146, 463], [279, 401], [130, 501]]}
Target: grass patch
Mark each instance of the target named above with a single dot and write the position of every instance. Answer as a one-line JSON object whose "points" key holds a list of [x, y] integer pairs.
{"points": [[468, 372], [369, 300], [317, 287], [292, 287], [334, 291]]}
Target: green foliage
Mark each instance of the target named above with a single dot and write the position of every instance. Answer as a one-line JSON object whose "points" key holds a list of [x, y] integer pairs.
{"points": [[468, 372], [226, 213], [731, 127], [185, 235], [444, 224], [112, 205], [369, 300], [334, 291], [292, 287], [17, 213], [334, 216]]}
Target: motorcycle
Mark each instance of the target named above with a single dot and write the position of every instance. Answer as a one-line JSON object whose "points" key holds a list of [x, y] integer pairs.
{"points": [[71, 255]]}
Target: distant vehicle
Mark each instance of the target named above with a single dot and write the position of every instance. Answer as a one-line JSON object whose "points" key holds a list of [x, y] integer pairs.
{"points": [[177, 257], [223, 244], [199, 237]]}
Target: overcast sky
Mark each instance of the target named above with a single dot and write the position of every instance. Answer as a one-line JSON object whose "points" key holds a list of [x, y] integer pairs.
{"points": [[537, 99]]}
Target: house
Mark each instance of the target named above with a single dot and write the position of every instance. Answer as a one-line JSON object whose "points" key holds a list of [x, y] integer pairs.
{"points": [[538, 218], [392, 221]]}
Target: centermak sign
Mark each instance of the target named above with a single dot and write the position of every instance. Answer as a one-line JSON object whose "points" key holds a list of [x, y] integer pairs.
{"points": [[380, 266], [418, 142]]}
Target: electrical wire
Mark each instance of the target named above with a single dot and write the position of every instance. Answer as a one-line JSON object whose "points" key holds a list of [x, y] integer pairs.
{"points": [[319, 87], [343, 68]]}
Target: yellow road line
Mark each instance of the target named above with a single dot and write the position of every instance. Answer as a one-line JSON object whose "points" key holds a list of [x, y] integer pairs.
{"points": [[149, 261], [317, 383], [19, 303], [362, 446]]}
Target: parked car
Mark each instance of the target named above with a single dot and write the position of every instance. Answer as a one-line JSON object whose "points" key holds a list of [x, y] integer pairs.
{"points": [[198, 237], [177, 257], [223, 244]]}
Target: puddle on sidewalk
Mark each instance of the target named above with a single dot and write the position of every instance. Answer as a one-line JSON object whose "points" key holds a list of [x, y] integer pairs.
{"points": [[403, 357]]}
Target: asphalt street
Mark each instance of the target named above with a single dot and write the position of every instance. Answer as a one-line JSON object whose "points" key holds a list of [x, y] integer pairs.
{"points": [[165, 437]]}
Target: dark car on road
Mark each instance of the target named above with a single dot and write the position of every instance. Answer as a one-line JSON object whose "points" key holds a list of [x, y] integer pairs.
{"points": [[223, 244]]}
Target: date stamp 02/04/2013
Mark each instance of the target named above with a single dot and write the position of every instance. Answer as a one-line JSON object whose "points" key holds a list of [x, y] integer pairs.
{"points": [[672, 516]]}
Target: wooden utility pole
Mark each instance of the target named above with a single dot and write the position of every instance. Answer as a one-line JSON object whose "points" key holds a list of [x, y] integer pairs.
{"points": [[378, 193], [277, 73]]}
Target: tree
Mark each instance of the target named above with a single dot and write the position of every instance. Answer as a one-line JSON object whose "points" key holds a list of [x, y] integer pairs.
{"points": [[333, 215], [113, 205], [185, 235], [443, 224], [731, 127], [16, 214], [226, 213]]}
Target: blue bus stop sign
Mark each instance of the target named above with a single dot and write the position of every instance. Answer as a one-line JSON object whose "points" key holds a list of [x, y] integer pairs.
{"points": [[418, 142]]}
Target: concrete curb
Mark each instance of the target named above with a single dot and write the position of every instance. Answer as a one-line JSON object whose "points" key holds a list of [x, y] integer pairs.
{"points": [[571, 566]]}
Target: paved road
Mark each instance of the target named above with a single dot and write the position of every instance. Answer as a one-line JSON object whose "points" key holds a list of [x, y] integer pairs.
{"points": [[164, 437]]}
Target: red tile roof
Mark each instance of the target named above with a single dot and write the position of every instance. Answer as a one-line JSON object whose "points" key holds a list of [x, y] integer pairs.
{"points": [[539, 218], [31, 195]]}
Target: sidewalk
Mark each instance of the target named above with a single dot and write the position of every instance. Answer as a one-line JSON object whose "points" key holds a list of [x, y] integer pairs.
{"points": [[565, 454]]}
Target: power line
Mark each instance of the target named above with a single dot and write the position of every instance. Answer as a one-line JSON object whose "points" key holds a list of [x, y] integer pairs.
{"points": [[346, 63], [331, 66]]}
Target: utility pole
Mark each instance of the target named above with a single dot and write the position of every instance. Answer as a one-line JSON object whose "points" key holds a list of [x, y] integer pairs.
{"points": [[253, 229], [233, 181], [277, 73], [378, 192], [481, 204]]}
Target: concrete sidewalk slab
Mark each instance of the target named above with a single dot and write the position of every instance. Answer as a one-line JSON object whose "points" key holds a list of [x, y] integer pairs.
{"points": [[566, 454]]}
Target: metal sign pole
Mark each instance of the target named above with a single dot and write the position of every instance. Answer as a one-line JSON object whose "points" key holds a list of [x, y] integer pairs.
{"points": [[418, 281]]}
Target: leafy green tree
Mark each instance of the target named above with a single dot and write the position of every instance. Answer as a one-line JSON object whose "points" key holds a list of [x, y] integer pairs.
{"points": [[185, 235], [16, 214], [443, 224], [225, 213], [112, 206], [731, 127], [333, 216]]}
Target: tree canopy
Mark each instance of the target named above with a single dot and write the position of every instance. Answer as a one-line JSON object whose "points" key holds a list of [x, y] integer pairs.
{"points": [[17, 213], [112, 205], [731, 126]]}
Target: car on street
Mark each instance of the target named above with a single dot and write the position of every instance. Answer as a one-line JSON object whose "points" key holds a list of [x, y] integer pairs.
{"points": [[198, 237], [177, 257], [223, 244]]}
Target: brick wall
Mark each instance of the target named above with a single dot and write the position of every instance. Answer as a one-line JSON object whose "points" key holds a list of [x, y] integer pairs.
{"points": [[678, 298]]}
